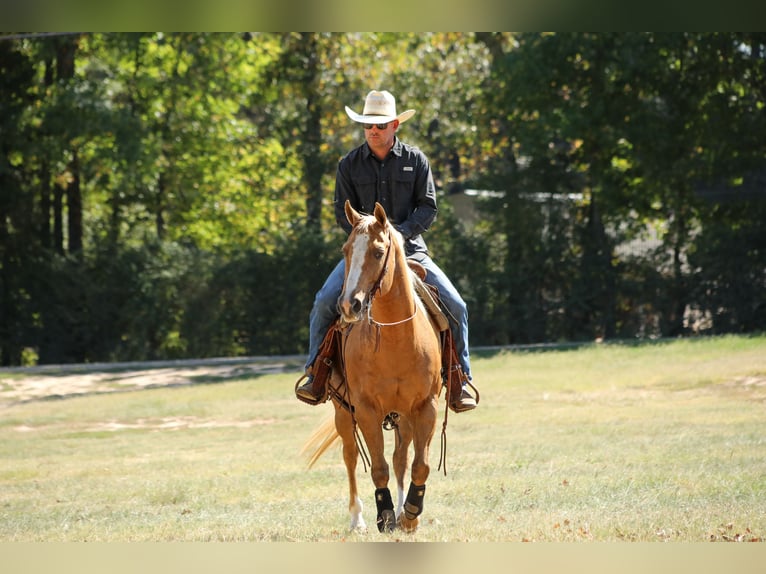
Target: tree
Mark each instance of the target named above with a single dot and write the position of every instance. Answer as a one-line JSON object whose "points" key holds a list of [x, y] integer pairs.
{"points": [[150, 181], [17, 237]]}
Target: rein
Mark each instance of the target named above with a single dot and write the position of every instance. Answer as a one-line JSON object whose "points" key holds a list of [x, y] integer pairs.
{"points": [[344, 400], [372, 321]]}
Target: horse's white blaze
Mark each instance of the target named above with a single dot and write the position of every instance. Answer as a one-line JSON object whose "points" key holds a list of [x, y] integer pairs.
{"points": [[357, 262]]}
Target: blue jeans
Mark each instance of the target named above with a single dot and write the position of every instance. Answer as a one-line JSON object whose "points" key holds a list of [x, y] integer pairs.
{"points": [[325, 311]]}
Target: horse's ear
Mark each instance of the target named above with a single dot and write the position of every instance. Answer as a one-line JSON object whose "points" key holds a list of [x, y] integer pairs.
{"points": [[380, 214], [351, 214]]}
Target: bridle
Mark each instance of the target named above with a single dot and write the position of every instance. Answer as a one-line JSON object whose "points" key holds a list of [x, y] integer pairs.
{"points": [[376, 289]]}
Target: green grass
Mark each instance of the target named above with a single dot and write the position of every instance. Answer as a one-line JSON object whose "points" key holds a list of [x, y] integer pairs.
{"points": [[653, 442]]}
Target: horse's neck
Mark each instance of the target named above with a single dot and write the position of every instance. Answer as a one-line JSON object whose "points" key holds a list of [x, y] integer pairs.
{"points": [[398, 301]]}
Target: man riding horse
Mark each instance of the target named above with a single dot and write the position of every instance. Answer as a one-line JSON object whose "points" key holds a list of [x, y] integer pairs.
{"points": [[398, 176]]}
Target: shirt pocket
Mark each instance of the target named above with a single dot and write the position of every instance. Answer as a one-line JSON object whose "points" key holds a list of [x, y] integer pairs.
{"points": [[367, 193], [405, 176], [404, 195], [404, 183]]}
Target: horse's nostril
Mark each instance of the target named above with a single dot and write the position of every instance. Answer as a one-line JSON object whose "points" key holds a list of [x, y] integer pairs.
{"points": [[356, 306]]}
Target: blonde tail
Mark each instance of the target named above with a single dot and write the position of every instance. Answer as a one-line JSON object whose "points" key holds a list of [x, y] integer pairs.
{"points": [[320, 441]]}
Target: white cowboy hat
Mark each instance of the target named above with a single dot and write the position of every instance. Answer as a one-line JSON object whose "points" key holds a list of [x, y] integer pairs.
{"points": [[379, 108]]}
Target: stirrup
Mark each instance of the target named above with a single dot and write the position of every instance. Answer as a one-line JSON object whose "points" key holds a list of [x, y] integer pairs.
{"points": [[475, 390], [464, 402]]}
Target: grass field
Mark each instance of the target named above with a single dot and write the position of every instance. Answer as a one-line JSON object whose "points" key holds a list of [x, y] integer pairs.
{"points": [[661, 441]]}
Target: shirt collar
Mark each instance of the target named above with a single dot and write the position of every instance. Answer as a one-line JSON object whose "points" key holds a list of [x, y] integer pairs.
{"points": [[396, 149]]}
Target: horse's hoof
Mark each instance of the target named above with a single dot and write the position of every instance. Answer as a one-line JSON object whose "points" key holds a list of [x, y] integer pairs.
{"points": [[408, 524], [387, 521]]}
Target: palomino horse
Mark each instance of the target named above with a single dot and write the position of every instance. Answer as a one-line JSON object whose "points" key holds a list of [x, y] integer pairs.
{"points": [[392, 360]]}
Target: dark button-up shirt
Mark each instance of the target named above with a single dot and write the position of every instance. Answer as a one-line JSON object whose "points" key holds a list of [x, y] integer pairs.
{"points": [[402, 183]]}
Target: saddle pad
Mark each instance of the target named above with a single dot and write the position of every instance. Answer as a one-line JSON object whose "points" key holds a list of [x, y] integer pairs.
{"points": [[429, 296]]}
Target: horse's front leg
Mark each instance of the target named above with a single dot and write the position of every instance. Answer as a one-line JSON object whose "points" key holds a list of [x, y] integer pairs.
{"points": [[370, 424], [345, 427], [403, 437], [423, 432]]}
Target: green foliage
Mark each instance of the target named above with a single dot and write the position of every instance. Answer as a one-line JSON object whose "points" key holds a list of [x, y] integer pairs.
{"points": [[170, 194], [729, 268], [18, 238], [168, 301], [256, 303], [624, 122]]}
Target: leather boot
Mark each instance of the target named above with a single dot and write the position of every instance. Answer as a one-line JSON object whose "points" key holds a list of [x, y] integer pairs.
{"points": [[460, 400], [313, 391]]}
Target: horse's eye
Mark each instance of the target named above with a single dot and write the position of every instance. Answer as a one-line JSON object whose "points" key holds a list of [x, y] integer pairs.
{"points": [[379, 254]]}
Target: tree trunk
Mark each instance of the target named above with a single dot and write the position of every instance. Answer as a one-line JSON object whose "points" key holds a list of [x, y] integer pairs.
{"points": [[159, 218], [65, 54], [45, 205], [45, 177], [58, 218], [312, 136], [678, 289], [74, 206]]}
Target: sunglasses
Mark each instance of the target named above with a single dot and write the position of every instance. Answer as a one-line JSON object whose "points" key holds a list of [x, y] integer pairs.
{"points": [[379, 126]]}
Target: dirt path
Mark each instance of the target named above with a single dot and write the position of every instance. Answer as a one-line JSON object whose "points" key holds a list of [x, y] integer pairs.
{"points": [[50, 382]]}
